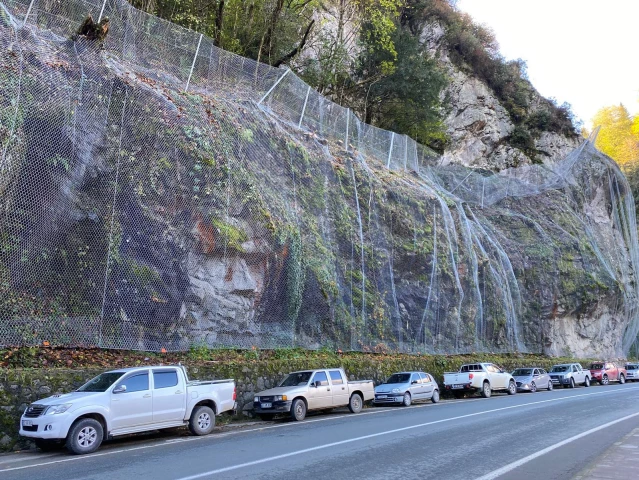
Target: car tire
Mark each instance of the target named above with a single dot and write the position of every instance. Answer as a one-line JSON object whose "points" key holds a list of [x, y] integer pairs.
{"points": [[512, 387], [85, 436], [435, 397], [533, 387], [298, 410], [587, 382], [572, 382], [406, 400], [355, 404], [622, 379], [605, 380], [550, 386], [486, 390], [202, 421], [267, 417], [48, 445]]}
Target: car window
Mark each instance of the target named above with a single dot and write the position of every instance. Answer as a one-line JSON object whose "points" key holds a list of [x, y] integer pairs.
{"points": [[336, 377], [542, 371], [165, 379], [425, 377], [574, 368], [320, 377], [135, 383]]}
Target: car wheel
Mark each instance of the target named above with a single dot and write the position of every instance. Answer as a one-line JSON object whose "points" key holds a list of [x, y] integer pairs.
{"points": [[604, 380], [85, 436], [48, 445], [533, 387], [435, 397], [202, 420], [266, 416], [485, 390], [356, 403], [622, 379], [406, 400], [298, 410], [572, 383], [587, 382], [512, 388], [550, 385]]}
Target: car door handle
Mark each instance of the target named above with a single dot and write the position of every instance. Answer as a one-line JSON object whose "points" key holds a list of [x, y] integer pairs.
{"points": [[148, 395], [328, 389], [343, 388], [178, 392]]}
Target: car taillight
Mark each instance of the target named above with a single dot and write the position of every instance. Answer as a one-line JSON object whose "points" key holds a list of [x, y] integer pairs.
{"points": [[234, 394], [470, 376]]}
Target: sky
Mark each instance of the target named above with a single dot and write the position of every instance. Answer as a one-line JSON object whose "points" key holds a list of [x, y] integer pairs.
{"points": [[583, 52]]}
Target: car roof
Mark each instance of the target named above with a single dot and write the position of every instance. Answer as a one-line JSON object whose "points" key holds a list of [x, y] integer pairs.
{"points": [[407, 372], [143, 367]]}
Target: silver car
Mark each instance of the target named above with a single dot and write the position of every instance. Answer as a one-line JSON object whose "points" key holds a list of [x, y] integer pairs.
{"points": [[406, 387], [632, 372], [531, 379]]}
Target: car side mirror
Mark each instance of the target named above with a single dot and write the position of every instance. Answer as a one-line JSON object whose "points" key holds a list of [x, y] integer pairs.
{"points": [[414, 382], [120, 389]]}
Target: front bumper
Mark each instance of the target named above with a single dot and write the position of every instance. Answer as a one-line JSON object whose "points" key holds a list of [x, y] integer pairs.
{"points": [[381, 398], [45, 426], [560, 381], [276, 407], [523, 387]]}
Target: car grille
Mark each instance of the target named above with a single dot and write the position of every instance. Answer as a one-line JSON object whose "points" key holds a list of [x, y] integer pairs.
{"points": [[519, 384], [267, 399], [34, 410], [31, 428]]}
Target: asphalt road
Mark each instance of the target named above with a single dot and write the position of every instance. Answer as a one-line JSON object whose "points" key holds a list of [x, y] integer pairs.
{"points": [[546, 435]]}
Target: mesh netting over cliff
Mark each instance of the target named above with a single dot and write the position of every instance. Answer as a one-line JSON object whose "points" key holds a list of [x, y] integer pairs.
{"points": [[157, 192]]}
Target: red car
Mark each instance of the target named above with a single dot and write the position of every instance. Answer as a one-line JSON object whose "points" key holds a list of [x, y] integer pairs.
{"points": [[606, 372]]}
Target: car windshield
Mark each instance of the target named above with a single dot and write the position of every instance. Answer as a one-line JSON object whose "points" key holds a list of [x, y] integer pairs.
{"points": [[398, 378], [100, 383], [522, 372], [296, 378], [631, 367], [596, 366], [560, 368]]}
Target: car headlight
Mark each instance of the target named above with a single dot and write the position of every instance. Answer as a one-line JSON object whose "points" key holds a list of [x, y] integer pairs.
{"points": [[280, 398], [396, 390], [55, 409], [256, 399]]}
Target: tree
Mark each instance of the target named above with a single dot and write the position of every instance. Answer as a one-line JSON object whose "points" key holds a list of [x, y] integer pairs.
{"points": [[618, 137]]}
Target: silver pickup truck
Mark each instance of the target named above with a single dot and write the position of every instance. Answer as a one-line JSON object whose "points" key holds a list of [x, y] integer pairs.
{"points": [[307, 390], [123, 401], [569, 375]]}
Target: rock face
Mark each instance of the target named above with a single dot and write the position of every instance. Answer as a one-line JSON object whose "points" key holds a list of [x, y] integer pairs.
{"points": [[479, 126], [140, 216]]}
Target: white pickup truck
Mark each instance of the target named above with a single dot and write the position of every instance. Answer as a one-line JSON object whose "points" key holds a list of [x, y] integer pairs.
{"points": [[123, 401], [307, 390], [482, 377]]}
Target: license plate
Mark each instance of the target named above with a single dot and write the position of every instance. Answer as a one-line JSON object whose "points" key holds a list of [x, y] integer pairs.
{"points": [[266, 405], [27, 423], [381, 396], [457, 385]]}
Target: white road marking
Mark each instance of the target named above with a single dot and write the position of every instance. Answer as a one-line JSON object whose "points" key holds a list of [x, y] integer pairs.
{"points": [[522, 461], [301, 424], [396, 430]]}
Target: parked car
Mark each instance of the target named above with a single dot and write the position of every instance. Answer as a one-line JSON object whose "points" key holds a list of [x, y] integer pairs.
{"points": [[303, 391], [483, 377], [569, 375], [531, 379], [606, 372], [123, 401], [632, 372], [406, 387]]}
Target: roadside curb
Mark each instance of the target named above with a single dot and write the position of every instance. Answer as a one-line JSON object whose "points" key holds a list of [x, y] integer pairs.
{"points": [[620, 461]]}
